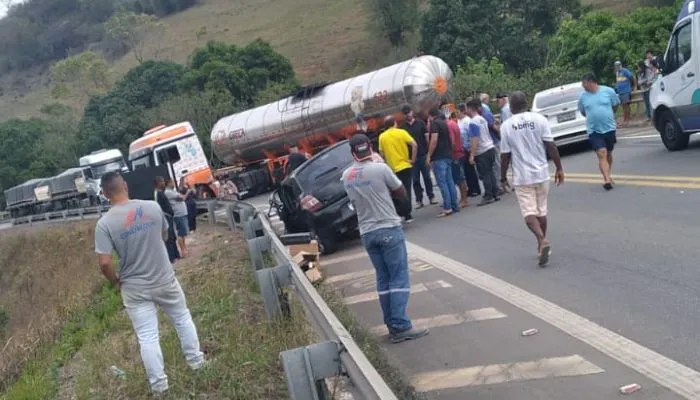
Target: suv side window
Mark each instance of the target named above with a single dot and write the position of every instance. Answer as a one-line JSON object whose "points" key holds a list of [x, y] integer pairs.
{"points": [[679, 50]]}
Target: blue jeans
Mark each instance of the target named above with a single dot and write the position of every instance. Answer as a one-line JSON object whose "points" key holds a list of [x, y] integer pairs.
{"points": [[443, 175], [421, 168], [386, 248]]}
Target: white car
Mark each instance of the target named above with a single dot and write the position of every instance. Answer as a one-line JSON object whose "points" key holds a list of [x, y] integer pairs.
{"points": [[560, 106]]}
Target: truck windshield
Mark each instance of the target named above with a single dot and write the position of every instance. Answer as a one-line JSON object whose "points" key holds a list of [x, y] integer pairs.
{"points": [[100, 169], [320, 169], [557, 98]]}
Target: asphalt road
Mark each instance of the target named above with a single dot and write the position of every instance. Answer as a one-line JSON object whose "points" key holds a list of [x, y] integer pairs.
{"points": [[624, 263]]}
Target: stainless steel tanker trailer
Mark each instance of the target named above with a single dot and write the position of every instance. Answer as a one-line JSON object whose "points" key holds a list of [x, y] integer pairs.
{"points": [[256, 142]]}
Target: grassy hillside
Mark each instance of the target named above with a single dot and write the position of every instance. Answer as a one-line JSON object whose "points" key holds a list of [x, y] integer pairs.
{"points": [[324, 40]]}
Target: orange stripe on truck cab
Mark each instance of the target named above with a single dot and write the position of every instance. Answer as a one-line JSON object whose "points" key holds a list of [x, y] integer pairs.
{"points": [[151, 139]]}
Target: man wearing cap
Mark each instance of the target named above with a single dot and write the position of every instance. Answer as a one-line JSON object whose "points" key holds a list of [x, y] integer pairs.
{"points": [[625, 83], [371, 186]]}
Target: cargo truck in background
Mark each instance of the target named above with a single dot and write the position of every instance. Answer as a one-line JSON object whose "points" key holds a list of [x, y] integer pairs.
{"points": [[99, 163], [675, 96], [178, 148], [256, 142]]}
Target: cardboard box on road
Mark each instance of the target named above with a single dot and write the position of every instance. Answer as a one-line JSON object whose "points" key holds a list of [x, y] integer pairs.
{"points": [[308, 262]]}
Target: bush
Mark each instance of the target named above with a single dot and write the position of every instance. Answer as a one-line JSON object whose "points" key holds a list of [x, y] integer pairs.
{"points": [[490, 76]]}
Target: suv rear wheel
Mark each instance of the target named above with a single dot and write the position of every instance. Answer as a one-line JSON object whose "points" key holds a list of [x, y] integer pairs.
{"points": [[671, 133], [327, 242]]}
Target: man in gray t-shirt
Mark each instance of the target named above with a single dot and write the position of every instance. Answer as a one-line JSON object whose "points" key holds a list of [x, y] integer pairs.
{"points": [[135, 230], [370, 186]]}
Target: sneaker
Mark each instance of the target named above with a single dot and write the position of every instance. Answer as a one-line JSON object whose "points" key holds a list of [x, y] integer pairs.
{"points": [[408, 220], [486, 201], [433, 201], [411, 334], [608, 186], [419, 205]]}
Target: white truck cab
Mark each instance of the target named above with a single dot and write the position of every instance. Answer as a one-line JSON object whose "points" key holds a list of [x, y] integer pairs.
{"points": [[675, 96], [100, 162]]}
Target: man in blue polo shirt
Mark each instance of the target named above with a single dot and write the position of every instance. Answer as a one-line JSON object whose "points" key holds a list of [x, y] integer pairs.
{"points": [[598, 104], [625, 83]]}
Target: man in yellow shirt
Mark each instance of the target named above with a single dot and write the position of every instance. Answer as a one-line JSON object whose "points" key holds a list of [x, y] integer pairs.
{"points": [[393, 145]]}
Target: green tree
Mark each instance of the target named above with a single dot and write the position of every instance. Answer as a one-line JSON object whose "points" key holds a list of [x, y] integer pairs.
{"points": [[242, 72], [513, 31], [131, 30], [394, 18], [599, 38], [86, 73], [117, 118]]}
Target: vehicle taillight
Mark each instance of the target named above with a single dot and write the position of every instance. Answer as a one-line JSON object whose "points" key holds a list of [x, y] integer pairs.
{"points": [[310, 203]]}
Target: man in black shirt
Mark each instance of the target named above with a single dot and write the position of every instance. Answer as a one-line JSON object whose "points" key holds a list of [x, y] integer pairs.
{"points": [[294, 160], [417, 129], [440, 157]]}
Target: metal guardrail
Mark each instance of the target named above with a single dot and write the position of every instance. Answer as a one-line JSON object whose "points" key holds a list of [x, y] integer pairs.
{"points": [[306, 368], [59, 216]]}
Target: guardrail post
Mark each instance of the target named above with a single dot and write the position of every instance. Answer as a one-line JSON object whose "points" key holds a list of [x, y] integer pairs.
{"points": [[271, 281], [211, 212], [47, 216], [230, 212], [65, 215], [99, 209], [80, 212], [31, 220], [253, 228], [307, 367], [257, 246]]}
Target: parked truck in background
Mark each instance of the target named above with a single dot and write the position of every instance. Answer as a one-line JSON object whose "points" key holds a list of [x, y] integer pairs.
{"points": [[675, 96], [256, 142], [177, 147], [99, 163]]}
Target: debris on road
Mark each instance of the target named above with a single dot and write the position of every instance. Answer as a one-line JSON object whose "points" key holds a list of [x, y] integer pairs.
{"points": [[530, 332], [629, 389]]}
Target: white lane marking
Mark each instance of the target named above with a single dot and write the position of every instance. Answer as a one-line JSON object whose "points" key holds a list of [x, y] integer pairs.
{"points": [[417, 288], [640, 137], [482, 314], [345, 258], [666, 372], [367, 273], [499, 373]]}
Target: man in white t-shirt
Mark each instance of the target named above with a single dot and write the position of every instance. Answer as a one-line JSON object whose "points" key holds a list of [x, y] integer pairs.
{"points": [[526, 140]]}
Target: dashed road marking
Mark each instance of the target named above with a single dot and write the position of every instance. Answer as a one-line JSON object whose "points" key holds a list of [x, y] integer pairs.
{"points": [[349, 257], [417, 288], [367, 273], [482, 314], [666, 372], [499, 373], [694, 179]]}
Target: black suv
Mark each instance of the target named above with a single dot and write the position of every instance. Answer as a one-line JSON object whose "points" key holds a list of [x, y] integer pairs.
{"points": [[312, 198]]}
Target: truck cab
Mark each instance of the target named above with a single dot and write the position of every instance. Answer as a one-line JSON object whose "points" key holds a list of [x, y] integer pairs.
{"points": [[675, 96], [177, 147], [99, 163]]}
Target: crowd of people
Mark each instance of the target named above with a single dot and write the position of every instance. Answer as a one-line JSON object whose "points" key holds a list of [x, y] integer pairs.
{"points": [[647, 70]]}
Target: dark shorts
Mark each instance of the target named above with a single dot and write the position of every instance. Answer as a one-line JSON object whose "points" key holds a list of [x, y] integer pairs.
{"points": [[625, 98], [182, 226], [603, 140], [458, 171]]}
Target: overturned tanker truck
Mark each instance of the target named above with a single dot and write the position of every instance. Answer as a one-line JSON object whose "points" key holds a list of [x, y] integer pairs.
{"points": [[255, 143]]}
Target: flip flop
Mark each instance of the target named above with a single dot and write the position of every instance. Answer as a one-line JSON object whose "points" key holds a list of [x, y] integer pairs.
{"points": [[544, 254], [445, 214]]}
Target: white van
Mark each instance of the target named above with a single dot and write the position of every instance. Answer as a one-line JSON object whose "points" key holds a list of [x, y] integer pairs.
{"points": [[560, 106], [675, 96]]}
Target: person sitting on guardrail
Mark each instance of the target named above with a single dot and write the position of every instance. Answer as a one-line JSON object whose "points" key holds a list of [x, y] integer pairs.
{"points": [[135, 231], [370, 186]]}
